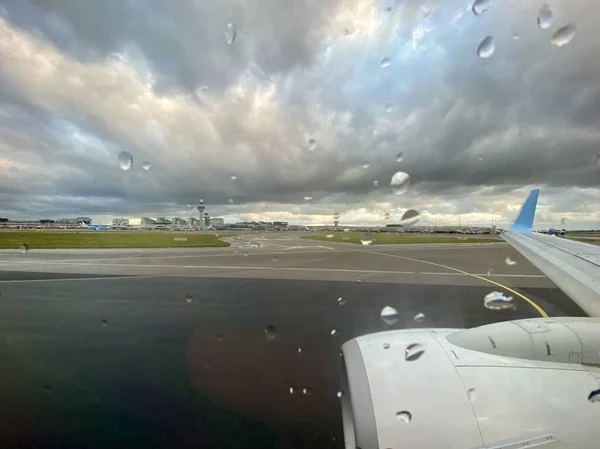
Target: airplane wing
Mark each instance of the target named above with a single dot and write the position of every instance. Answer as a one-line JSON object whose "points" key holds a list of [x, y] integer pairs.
{"points": [[573, 266]]}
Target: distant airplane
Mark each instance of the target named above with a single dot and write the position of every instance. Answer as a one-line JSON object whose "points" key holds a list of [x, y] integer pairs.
{"points": [[94, 227], [513, 384]]}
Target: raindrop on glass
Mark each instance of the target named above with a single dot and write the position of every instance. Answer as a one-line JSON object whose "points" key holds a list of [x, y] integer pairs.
{"points": [[292, 390], [329, 236], [188, 298], [146, 165], [419, 317], [312, 144], [333, 332], [366, 164], [274, 259], [386, 346], [410, 217], [385, 63], [594, 396], [339, 394], [23, 248], [387, 216], [544, 19], [400, 182], [230, 200], [233, 176], [480, 157], [125, 160], [490, 272], [399, 157], [516, 36], [563, 36], [308, 198], [307, 391], [230, 33], [299, 350], [270, 332], [486, 48], [404, 416], [104, 323], [341, 301], [376, 183], [563, 220], [472, 393], [366, 241], [220, 338], [413, 352], [497, 301], [47, 388], [509, 261], [480, 6], [389, 107]]}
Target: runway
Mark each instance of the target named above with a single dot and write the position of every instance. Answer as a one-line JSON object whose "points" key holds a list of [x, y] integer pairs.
{"points": [[167, 348]]}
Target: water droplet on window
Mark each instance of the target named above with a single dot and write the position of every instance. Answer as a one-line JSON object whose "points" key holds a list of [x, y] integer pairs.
{"points": [[104, 323], [387, 216], [497, 301], [308, 198], [274, 259], [385, 63], [413, 352], [230, 33], [312, 144], [339, 394], [230, 200], [404, 416], [509, 261], [307, 391], [486, 48], [516, 36], [329, 236], [594, 396], [480, 6], [188, 298], [399, 157], [563, 220], [341, 301], [472, 393], [366, 241], [299, 350], [220, 338], [346, 32], [146, 165], [23, 248], [400, 182], [563, 36], [233, 176], [47, 388], [292, 390], [386, 346], [544, 19], [366, 165], [490, 272], [410, 217], [389, 107], [480, 157], [245, 254], [333, 332], [419, 317], [376, 183], [270, 332], [125, 160]]}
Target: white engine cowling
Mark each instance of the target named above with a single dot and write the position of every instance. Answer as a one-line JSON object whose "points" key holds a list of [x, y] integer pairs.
{"points": [[505, 385]]}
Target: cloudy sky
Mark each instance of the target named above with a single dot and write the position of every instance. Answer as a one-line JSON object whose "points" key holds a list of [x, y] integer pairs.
{"points": [[83, 80]]}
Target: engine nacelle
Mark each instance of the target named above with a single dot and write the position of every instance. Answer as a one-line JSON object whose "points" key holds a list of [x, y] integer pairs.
{"points": [[492, 386]]}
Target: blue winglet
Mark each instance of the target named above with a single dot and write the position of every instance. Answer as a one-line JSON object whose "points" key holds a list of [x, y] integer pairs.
{"points": [[524, 220]]}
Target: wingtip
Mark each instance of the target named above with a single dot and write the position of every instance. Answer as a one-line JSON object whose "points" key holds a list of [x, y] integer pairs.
{"points": [[524, 220]]}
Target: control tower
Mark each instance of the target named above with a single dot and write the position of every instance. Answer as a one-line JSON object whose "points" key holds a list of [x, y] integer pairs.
{"points": [[201, 207]]}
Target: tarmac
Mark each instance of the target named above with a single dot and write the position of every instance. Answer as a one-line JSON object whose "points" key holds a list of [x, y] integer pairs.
{"points": [[212, 348]]}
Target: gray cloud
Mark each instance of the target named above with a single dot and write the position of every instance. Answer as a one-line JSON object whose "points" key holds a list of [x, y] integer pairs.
{"points": [[84, 80]]}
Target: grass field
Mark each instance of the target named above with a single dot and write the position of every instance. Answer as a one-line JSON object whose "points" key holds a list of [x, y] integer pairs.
{"points": [[106, 239], [382, 239]]}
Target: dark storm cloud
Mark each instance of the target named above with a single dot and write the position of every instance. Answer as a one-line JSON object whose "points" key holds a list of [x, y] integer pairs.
{"points": [[83, 80]]}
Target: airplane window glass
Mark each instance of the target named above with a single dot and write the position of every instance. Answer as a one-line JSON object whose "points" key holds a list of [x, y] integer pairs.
{"points": [[299, 224]]}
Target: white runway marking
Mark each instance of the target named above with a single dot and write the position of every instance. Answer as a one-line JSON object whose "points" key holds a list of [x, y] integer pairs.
{"points": [[101, 278]]}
